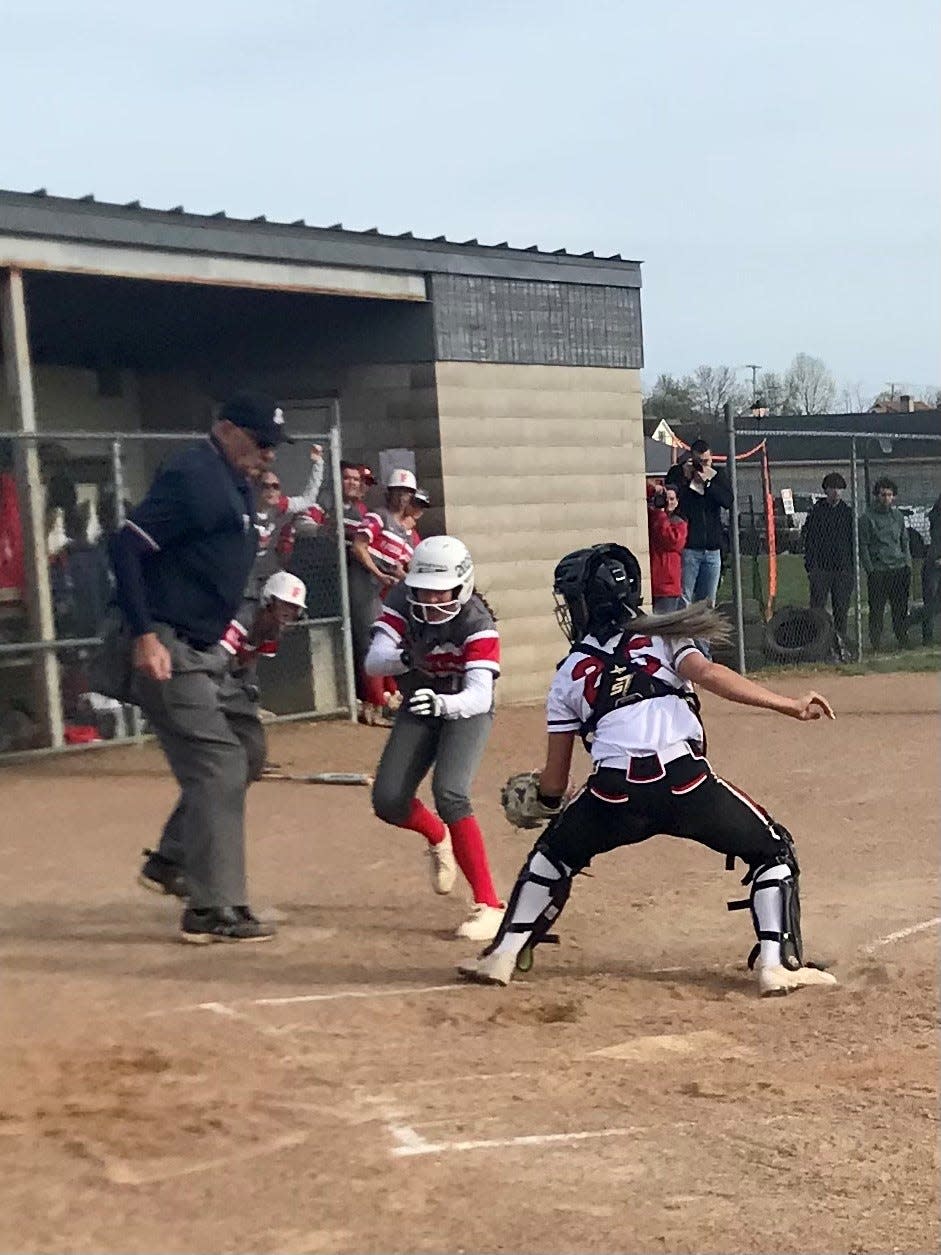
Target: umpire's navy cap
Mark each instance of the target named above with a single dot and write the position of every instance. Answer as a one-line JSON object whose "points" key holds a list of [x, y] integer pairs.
{"points": [[259, 415]]}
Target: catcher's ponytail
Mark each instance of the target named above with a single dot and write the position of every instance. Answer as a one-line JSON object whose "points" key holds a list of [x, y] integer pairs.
{"points": [[698, 620]]}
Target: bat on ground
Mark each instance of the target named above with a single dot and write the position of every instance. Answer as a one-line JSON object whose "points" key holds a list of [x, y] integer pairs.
{"points": [[320, 777]]}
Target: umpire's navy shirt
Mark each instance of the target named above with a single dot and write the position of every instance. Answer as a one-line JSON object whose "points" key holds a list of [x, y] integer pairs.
{"points": [[195, 538]]}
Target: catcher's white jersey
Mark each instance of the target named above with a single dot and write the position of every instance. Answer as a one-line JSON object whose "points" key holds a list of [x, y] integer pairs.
{"points": [[644, 727]]}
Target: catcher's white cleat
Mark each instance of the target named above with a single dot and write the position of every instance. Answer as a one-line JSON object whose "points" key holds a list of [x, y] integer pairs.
{"points": [[442, 865], [489, 969], [482, 924], [775, 982]]}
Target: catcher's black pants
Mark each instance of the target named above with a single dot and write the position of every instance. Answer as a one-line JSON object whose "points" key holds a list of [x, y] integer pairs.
{"points": [[683, 798]]}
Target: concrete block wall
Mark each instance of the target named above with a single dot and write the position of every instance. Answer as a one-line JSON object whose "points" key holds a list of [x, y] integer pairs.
{"points": [[538, 461]]}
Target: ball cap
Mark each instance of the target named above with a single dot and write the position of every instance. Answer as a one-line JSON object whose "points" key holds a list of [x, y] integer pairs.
{"points": [[259, 415], [421, 497]]}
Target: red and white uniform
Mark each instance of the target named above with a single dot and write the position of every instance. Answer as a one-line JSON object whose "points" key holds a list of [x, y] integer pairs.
{"points": [[644, 727], [236, 643], [459, 659], [389, 541]]}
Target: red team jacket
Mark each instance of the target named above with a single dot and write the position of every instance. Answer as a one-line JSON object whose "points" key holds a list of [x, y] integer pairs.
{"points": [[667, 542]]}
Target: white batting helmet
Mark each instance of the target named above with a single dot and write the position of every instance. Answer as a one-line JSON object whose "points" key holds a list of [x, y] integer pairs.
{"points": [[440, 563], [401, 478], [285, 587]]}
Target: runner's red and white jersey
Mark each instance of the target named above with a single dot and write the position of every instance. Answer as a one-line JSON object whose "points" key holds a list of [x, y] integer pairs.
{"points": [[642, 727], [389, 541], [442, 653]]}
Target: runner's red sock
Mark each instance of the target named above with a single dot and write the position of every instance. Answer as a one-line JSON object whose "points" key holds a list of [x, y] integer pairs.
{"points": [[374, 690], [471, 855], [421, 819]]}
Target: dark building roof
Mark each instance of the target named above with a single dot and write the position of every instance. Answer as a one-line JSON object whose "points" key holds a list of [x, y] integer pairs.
{"points": [[39, 215], [826, 447]]}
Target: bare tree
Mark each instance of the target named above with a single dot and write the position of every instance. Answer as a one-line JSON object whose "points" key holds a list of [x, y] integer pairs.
{"points": [[810, 384], [712, 387], [773, 393], [854, 400]]}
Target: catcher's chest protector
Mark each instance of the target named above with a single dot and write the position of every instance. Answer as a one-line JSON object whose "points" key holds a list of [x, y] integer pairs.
{"points": [[625, 680]]}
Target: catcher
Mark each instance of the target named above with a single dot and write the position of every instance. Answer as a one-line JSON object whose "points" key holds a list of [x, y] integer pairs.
{"points": [[627, 689]]}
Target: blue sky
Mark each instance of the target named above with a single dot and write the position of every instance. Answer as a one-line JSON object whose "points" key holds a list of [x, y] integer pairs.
{"points": [[775, 166]]}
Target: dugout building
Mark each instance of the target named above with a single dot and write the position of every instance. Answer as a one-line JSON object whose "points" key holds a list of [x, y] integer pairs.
{"points": [[511, 375]]}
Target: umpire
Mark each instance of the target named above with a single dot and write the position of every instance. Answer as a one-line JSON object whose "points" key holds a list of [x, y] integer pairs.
{"points": [[181, 562]]}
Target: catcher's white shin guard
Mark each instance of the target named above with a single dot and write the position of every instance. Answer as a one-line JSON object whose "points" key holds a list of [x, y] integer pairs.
{"points": [[540, 893]]}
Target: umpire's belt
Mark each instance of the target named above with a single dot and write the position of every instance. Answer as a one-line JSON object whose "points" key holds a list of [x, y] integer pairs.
{"points": [[646, 768]]}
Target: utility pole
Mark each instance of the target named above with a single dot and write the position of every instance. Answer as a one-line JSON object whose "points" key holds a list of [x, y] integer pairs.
{"points": [[754, 379]]}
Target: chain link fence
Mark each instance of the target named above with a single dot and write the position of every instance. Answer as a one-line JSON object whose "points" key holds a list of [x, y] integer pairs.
{"points": [[836, 557], [62, 495]]}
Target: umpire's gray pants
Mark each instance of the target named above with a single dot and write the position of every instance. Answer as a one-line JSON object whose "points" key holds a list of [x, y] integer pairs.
{"points": [[453, 746], [208, 727]]}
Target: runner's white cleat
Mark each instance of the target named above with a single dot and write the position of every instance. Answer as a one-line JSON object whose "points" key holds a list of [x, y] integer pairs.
{"points": [[482, 924], [443, 865], [489, 969], [775, 982]]}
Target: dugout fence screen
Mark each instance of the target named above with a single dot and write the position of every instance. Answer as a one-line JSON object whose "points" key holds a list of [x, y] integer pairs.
{"points": [[62, 495]]}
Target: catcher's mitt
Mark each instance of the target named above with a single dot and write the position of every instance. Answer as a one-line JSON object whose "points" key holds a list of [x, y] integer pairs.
{"points": [[520, 800]]}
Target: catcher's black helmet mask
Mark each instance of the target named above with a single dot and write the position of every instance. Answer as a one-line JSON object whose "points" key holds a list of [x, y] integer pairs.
{"points": [[597, 590]]}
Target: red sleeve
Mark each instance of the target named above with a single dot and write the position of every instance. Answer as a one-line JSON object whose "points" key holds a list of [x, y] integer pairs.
{"points": [[675, 535], [286, 538], [371, 528], [283, 504], [392, 623], [482, 649]]}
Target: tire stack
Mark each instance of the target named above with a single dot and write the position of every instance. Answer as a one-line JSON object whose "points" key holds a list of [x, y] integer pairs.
{"points": [[754, 629]]}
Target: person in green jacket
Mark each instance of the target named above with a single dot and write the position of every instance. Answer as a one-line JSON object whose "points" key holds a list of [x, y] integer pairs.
{"points": [[887, 559]]}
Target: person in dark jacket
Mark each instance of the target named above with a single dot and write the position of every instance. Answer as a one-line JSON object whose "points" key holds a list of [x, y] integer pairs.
{"points": [[181, 562], [828, 552], [704, 492], [931, 574], [885, 554]]}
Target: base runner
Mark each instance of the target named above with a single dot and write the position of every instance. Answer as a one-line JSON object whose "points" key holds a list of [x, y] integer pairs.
{"points": [[440, 639]]}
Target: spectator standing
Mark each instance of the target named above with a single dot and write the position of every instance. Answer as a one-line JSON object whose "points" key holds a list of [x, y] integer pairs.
{"points": [[931, 574], [181, 564], [419, 504], [275, 520], [667, 531], [886, 558], [704, 492], [828, 552], [381, 551]]}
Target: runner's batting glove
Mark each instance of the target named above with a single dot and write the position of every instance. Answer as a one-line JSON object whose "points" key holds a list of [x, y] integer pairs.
{"points": [[426, 703]]}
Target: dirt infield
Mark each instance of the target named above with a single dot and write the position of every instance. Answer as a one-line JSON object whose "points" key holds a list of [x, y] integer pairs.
{"points": [[336, 1091]]}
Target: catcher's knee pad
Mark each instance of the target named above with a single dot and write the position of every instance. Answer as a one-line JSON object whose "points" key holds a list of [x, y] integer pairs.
{"points": [[777, 917], [539, 895]]}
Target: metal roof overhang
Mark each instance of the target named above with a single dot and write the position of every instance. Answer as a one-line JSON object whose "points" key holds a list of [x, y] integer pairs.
{"points": [[116, 261]]}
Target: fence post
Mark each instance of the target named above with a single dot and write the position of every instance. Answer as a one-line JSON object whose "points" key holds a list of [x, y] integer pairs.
{"points": [[19, 378], [117, 483], [736, 546], [854, 498], [346, 630]]}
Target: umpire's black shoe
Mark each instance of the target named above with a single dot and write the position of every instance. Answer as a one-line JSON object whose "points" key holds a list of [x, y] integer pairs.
{"points": [[159, 875], [223, 923]]}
